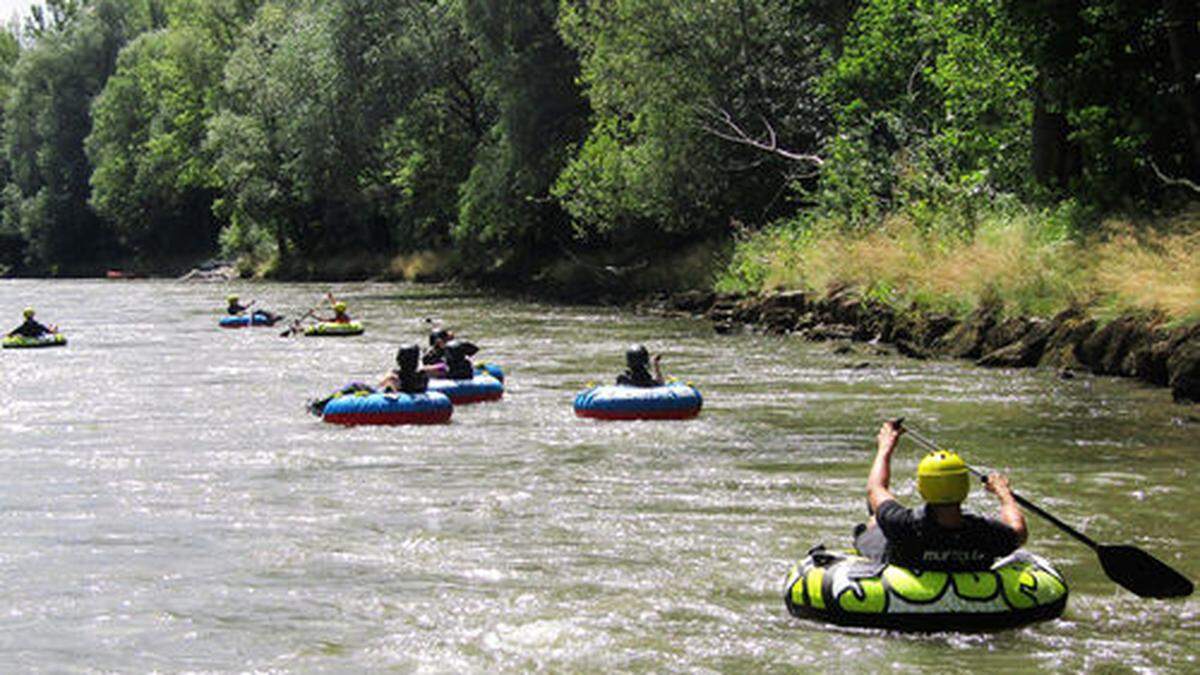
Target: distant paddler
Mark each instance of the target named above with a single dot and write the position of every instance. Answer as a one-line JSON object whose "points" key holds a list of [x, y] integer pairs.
{"points": [[31, 328], [339, 308], [259, 316], [637, 369]]}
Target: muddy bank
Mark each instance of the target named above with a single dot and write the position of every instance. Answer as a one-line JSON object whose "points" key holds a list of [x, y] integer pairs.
{"points": [[1135, 346]]}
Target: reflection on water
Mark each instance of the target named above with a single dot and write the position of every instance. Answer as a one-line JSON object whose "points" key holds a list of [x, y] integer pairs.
{"points": [[167, 503]]}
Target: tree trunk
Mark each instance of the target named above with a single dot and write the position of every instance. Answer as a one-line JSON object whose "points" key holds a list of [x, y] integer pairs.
{"points": [[1055, 160], [1183, 34]]}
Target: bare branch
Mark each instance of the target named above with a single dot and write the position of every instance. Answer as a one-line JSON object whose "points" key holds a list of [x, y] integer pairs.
{"points": [[912, 77], [1176, 182], [728, 129]]}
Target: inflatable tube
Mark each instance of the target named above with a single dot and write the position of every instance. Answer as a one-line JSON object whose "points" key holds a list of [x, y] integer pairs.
{"points": [[247, 321], [329, 329], [44, 340], [392, 409], [491, 369], [848, 590], [482, 387], [617, 402]]}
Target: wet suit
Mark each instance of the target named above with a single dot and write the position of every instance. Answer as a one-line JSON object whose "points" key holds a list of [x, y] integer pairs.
{"points": [[414, 382], [638, 377], [459, 368], [437, 354], [30, 329], [913, 538], [235, 309]]}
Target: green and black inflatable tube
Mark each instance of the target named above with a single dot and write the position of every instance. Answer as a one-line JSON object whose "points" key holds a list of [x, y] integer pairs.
{"points": [[848, 590]]}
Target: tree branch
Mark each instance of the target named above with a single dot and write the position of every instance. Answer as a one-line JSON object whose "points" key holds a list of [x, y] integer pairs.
{"points": [[727, 128], [1174, 182]]}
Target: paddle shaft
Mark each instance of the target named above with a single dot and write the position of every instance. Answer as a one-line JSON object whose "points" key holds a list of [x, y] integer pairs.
{"points": [[1091, 543], [295, 327]]}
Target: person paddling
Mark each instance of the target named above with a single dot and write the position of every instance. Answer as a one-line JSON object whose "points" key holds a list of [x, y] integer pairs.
{"points": [[937, 535], [457, 364], [437, 346], [438, 339], [637, 369], [235, 308], [30, 328], [339, 311], [407, 377]]}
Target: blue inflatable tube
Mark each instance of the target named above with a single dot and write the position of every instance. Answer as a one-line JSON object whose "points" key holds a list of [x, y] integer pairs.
{"points": [[491, 369], [482, 387], [257, 319], [617, 402], [378, 408]]}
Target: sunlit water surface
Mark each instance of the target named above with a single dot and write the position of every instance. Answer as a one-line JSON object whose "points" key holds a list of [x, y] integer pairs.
{"points": [[166, 503]]}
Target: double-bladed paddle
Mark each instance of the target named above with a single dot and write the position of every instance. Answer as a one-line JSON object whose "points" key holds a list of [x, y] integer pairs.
{"points": [[295, 327], [1131, 567]]}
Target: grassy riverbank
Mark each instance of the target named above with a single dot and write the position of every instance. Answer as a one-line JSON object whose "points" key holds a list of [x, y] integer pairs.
{"points": [[1034, 263]]}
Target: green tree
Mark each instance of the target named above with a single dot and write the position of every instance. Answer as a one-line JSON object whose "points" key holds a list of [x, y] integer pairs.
{"points": [[932, 100], [507, 217], [153, 180], [12, 244], [703, 114], [47, 118]]}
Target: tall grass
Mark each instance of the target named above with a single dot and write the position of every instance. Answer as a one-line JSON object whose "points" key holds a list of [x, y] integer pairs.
{"points": [[1024, 259], [1139, 269]]}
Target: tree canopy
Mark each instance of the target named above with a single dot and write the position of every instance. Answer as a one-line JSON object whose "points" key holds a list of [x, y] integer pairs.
{"points": [[515, 133]]}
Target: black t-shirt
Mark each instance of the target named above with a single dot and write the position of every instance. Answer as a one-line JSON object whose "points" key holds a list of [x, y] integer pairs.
{"points": [[461, 369], [434, 355], [638, 377], [412, 382], [30, 329], [914, 539]]}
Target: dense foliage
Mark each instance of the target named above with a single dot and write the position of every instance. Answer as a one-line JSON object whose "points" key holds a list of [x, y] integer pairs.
{"points": [[519, 134]]}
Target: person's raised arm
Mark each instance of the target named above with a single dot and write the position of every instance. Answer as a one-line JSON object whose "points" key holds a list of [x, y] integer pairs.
{"points": [[880, 478], [658, 369], [1010, 510]]}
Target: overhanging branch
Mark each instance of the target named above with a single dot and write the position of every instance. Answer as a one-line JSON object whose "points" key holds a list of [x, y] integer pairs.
{"points": [[723, 125], [1175, 182]]}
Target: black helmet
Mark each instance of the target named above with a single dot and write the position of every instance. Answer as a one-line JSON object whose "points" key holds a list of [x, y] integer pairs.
{"points": [[439, 334], [637, 356], [407, 357]]}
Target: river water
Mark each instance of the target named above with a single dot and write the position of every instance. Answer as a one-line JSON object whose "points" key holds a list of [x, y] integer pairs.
{"points": [[167, 504]]}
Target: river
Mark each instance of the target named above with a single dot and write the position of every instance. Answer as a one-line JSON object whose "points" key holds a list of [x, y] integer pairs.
{"points": [[166, 503]]}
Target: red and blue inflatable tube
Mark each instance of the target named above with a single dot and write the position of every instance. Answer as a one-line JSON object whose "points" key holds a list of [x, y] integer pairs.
{"points": [[483, 387], [618, 402], [388, 409]]}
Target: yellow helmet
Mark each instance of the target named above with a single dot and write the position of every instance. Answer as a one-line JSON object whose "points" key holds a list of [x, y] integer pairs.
{"points": [[942, 478], [231, 299], [339, 307], [28, 312]]}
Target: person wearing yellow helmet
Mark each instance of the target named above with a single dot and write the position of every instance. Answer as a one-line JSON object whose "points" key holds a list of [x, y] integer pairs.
{"points": [[259, 316], [339, 311], [937, 535], [30, 328], [235, 308]]}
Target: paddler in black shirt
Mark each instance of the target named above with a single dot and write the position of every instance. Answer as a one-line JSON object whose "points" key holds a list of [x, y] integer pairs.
{"points": [[937, 535], [31, 328]]}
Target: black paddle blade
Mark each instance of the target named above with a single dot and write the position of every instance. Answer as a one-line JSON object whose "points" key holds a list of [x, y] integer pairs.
{"points": [[1143, 574]]}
